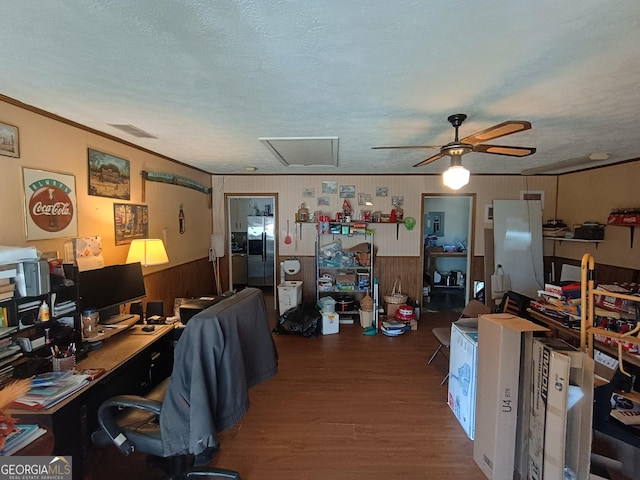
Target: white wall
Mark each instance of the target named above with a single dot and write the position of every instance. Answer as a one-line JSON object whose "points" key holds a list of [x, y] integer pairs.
{"points": [[289, 189], [51, 145]]}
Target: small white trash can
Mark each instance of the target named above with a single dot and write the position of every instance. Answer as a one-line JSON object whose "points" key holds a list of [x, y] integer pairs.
{"points": [[289, 295]]}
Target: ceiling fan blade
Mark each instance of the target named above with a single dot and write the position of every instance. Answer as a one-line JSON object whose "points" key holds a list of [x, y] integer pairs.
{"points": [[435, 157], [504, 150], [500, 130], [407, 146]]}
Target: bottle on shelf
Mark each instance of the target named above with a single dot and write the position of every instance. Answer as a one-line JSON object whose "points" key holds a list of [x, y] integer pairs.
{"points": [[399, 213], [44, 314]]}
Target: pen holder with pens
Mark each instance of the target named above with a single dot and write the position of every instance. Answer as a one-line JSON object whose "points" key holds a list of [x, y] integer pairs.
{"points": [[62, 364]]}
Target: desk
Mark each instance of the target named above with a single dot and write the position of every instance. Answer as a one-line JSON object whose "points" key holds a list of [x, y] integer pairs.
{"points": [[566, 333], [135, 361], [430, 258], [556, 326]]}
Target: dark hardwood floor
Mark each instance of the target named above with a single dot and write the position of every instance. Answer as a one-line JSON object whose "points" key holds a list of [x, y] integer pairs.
{"points": [[342, 407]]}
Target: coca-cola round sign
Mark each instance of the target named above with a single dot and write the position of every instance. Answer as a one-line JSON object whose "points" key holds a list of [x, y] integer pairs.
{"points": [[50, 204], [50, 208]]}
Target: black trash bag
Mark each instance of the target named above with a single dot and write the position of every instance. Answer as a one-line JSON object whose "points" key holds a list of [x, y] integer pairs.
{"points": [[301, 320]]}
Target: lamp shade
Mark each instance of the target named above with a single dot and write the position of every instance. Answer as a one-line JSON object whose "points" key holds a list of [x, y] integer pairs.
{"points": [[147, 251], [456, 176]]}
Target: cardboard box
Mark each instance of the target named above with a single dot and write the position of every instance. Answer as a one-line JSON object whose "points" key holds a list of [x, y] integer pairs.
{"points": [[561, 411], [463, 369], [503, 394], [391, 309], [330, 323]]}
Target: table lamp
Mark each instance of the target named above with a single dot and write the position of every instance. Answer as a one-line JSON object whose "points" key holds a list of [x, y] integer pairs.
{"points": [[147, 251]]}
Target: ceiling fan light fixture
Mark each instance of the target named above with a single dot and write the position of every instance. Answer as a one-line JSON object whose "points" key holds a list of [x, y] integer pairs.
{"points": [[456, 149], [456, 176]]}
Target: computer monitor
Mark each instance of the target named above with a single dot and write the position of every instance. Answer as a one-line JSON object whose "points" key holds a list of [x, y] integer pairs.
{"points": [[105, 289]]}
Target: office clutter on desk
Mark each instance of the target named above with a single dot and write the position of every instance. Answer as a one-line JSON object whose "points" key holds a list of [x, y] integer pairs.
{"points": [[48, 389], [20, 437]]}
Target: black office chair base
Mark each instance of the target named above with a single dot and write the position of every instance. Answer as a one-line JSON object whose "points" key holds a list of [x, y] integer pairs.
{"points": [[179, 468]]}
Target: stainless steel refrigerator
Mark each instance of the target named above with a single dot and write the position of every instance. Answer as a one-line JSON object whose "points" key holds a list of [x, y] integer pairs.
{"points": [[260, 251]]}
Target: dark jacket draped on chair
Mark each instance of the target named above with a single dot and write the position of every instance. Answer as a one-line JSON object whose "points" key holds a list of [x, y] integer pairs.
{"points": [[223, 351]]}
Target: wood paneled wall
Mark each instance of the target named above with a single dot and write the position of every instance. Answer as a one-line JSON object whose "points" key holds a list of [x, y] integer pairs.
{"points": [[606, 274], [193, 279], [387, 269]]}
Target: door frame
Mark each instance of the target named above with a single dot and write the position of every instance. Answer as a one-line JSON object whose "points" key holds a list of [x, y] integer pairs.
{"points": [[227, 212], [470, 236]]}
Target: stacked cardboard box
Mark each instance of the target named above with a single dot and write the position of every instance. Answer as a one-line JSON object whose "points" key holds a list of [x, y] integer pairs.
{"points": [[505, 346], [561, 411], [533, 405]]}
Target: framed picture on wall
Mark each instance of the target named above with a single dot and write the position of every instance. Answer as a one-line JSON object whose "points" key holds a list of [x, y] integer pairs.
{"points": [[130, 222], [382, 191], [329, 187], [50, 204], [347, 191], [9, 143], [109, 176]]}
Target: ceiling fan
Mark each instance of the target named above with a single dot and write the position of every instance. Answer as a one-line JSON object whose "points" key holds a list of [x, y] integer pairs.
{"points": [[472, 142]]}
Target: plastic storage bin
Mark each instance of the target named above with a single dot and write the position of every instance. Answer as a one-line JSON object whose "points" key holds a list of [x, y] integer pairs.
{"points": [[289, 295], [330, 323]]}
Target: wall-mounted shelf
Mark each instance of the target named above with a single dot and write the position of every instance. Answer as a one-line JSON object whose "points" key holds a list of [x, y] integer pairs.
{"points": [[579, 240], [632, 229]]}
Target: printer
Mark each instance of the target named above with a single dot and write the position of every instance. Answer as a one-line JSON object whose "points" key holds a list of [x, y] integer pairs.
{"points": [[192, 306]]}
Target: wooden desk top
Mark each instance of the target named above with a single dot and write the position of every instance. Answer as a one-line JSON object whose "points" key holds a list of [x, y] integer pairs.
{"points": [[553, 324], [608, 349], [116, 351], [122, 347]]}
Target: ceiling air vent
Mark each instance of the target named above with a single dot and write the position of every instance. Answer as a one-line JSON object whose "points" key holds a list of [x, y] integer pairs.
{"points": [[132, 130], [304, 151]]}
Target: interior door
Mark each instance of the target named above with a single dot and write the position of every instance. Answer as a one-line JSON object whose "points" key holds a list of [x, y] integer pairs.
{"points": [[239, 207], [447, 222]]}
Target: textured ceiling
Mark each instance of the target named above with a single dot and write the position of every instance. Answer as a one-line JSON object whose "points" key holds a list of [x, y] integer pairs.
{"points": [[208, 79]]}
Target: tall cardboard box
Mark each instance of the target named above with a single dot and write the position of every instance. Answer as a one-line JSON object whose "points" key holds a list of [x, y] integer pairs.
{"points": [[505, 345], [463, 375], [561, 411]]}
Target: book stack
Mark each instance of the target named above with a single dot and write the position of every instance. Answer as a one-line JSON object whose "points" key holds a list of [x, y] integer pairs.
{"points": [[560, 301], [9, 352], [393, 328], [61, 308], [21, 436], [7, 282], [48, 389]]}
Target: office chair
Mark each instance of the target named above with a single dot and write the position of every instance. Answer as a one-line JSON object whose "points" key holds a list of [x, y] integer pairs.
{"points": [[132, 423], [443, 334], [223, 351]]}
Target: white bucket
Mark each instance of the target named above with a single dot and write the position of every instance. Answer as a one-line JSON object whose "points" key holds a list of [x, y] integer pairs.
{"points": [[366, 319]]}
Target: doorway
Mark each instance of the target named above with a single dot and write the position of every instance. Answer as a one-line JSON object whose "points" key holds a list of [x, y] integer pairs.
{"points": [[447, 226], [251, 231]]}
